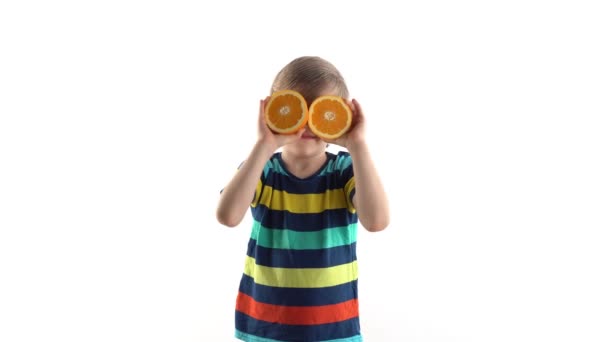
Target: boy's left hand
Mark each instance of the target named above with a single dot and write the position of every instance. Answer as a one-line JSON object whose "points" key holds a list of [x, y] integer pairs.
{"points": [[356, 133]]}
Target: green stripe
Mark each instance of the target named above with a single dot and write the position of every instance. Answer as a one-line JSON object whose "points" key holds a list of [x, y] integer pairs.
{"points": [[251, 338], [290, 239], [357, 338], [277, 168]]}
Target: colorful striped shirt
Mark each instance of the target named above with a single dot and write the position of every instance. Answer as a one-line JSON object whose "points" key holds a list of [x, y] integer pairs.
{"points": [[300, 277]]}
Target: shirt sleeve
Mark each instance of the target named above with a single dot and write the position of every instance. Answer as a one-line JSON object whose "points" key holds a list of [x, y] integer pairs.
{"points": [[348, 178], [259, 189]]}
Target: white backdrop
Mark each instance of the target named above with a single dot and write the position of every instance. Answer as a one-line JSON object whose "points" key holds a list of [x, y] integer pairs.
{"points": [[121, 120]]}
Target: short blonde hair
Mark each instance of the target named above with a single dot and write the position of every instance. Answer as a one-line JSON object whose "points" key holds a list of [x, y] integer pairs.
{"points": [[310, 76]]}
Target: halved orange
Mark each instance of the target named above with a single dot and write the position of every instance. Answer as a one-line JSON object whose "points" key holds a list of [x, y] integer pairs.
{"points": [[329, 117], [286, 112]]}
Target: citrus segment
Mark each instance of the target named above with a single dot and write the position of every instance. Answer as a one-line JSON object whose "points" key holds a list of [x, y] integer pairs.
{"points": [[286, 112], [329, 117]]}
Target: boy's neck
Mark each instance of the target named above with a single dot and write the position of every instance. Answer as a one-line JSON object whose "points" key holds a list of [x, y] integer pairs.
{"points": [[304, 166]]}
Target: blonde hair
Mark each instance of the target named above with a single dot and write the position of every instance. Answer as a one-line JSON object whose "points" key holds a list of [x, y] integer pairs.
{"points": [[310, 76]]}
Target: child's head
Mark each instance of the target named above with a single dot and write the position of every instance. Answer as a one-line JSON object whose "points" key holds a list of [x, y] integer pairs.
{"points": [[311, 77]]}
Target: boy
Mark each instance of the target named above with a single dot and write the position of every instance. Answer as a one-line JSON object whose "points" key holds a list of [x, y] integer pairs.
{"points": [[300, 278]]}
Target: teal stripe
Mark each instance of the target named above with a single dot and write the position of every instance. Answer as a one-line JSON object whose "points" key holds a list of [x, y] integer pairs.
{"points": [[276, 167], [290, 239], [343, 161], [329, 168], [357, 338], [266, 170], [340, 163], [251, 338]]}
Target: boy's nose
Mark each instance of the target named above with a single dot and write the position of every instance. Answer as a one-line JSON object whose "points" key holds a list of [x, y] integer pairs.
{"points": [[308, 132]]}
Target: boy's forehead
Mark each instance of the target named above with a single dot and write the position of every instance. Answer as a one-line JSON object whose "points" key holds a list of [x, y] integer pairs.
{"points": [[312, 94]]}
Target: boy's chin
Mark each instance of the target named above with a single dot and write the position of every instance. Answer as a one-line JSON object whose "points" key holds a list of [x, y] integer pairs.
{"points": [[306, 146]]}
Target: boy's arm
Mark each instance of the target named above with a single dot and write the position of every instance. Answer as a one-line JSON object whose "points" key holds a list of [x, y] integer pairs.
{"points": [[236, 197], [370, 200], [238, 194]]}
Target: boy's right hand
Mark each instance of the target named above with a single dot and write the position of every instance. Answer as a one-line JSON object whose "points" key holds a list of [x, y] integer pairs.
{"points": [[267, 136]]}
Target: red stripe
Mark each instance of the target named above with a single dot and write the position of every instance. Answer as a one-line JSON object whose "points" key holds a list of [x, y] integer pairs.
{"points": [[297, 315]]}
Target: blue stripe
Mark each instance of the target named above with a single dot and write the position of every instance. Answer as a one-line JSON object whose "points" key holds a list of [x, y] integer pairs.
{"points": [[333, 175], [298, 296], [278, 219], [317, 185], [302, 258], [302, 333]]}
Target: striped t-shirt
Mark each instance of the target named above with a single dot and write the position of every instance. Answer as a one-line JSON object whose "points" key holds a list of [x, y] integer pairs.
{"points": [[300, 277]]}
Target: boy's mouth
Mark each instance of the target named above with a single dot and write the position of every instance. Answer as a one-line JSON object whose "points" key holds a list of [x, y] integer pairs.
{"points": [[308, 136]]}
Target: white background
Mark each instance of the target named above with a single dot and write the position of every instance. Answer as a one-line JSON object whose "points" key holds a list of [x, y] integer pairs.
{"points": [[121, 121]]}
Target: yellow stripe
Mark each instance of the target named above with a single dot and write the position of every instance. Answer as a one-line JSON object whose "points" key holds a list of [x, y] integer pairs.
{"points": [[348, 188], [258, 189], [305, 203], [301, 277]]}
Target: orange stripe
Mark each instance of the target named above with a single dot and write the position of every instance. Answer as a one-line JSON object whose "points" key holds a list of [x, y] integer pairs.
{"points": [[297, 315]]}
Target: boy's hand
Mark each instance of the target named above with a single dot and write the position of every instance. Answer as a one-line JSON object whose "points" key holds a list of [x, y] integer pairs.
{"points": [[356, 133], [267, 136]]}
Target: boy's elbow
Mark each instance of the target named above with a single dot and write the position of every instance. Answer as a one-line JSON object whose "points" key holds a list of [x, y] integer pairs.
{"points": [[229, 224], [376, 226], [227, 220]]}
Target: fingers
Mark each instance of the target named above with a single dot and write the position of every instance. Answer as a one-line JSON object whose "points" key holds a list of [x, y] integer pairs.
{"points": [[350, 104], [357, 107], [263, 104], [357, 112], [262, 114]]}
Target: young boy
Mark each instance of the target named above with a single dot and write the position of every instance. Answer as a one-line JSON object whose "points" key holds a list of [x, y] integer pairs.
{"points": [[300, 278]]}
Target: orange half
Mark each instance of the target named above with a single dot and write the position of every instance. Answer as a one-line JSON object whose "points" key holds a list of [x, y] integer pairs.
{"points": [[286, 112], [329, 117]]}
